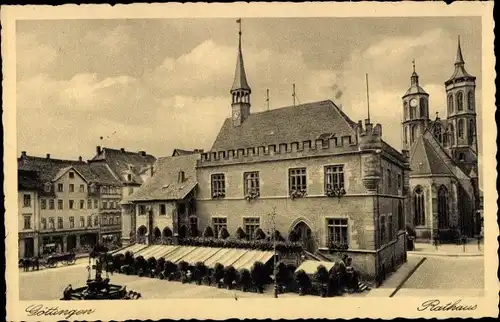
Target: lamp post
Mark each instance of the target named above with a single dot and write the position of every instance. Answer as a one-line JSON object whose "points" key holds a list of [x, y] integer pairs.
{"points": [[272, 218]]}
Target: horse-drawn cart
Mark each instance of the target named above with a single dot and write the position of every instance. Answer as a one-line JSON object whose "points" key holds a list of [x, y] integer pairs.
{"points": [[53, 260]]}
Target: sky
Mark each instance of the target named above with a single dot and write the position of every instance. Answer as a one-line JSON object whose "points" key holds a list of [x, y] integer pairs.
{"points": [[158, 84]]}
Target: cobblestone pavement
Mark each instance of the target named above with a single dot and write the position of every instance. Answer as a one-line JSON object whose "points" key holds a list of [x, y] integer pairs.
{"points": [[49, 284], [440, 275]]}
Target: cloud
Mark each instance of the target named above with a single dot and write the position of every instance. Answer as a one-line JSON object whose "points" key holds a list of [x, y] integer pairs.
{"points": [[183, 101], [112, 41], [33, 57]]}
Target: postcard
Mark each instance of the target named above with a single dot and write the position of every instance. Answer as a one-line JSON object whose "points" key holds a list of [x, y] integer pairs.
{"points": [[262, 160]]}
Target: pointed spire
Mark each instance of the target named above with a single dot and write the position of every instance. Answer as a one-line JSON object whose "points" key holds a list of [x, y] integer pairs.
{"points": [[240, 77], [414, 75], [460, 58]]}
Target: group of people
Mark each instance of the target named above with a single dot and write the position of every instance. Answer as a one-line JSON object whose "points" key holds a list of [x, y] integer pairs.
{"points": [[34, 263]]}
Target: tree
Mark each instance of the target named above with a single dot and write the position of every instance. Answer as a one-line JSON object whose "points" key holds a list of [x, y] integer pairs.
{"points": [[321, 277], [258, 274], [245, 279], [218, 274], [200, 270], [229, 276], [240, 234], [223, 234], [303, 281], [293, 236], [208, 232], [259, 234]]}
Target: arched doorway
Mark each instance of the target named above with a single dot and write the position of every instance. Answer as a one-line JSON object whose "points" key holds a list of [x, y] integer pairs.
{"points": [[167, 232], [157, 233], [141, 233], [305, 236], [183, 231]]}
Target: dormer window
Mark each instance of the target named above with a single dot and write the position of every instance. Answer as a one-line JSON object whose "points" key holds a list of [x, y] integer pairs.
{"points": [[48, 187], [129, 177], [92, 188]]}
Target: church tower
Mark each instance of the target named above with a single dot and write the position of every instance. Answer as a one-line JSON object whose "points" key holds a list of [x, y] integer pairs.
{"points": [[415, 111], [240, 92], [461, 114]]}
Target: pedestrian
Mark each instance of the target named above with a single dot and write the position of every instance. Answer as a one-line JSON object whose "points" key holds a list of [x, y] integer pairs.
{"points": [[33, 264], [37, 261]]}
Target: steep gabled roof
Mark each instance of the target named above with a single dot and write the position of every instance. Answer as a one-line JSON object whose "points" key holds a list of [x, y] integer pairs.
{"points": [[425, 160], [123, 162], [285, 125], [48, 168], [28, 180], [103, 171], [185, 152], [164, 184]]}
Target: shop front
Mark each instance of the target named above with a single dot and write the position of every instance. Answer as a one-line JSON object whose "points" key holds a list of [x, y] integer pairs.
{"points": [[28, 245]]}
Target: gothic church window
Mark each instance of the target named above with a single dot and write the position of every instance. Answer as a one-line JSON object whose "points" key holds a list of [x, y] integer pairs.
{"points": [[413, 134], [470, 100], [460, 101], [423, 107], [405, 110], [460, 129], [450, 104], [443, 221], [451, 131], [419, 206], [437, 132], [471, 132], [413, 112]]}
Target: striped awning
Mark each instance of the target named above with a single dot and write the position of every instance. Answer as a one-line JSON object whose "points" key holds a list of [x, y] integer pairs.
{"points": [[310, 267]]}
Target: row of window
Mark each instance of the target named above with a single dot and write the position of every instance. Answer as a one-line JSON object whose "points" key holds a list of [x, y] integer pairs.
{"points": [[458, 102], [60, 223], [448, 137], [50, 204], [297, 181], [442, 207]]}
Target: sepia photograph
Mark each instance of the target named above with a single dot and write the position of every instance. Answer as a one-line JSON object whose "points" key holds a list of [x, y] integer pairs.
{"points": [[249, 158]]}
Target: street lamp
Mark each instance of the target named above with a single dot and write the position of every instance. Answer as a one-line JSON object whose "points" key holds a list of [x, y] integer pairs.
{"points": [[272, 218]]}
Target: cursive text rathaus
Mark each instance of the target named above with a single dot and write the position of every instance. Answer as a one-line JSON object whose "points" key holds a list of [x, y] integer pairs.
{"points": [[435, 305]]}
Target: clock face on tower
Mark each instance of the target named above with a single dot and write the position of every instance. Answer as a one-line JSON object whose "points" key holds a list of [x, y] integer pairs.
{"points": [[413, 102], [236, 115]]}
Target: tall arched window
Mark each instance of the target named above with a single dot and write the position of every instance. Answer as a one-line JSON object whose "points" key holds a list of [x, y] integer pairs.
{"points": [[471, 132], [413, 112], [451, 133], [461, 128], [470, 100], [443, 221], [450, 103], [437, 131], [423, 107], [401, 216], [405, 135], [413, 133], [460, 101], [405, 110], [419, 206]]}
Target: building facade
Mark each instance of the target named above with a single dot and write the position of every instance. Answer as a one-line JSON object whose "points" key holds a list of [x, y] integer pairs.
{"points": [[131, 170], [66, 204], [29, 213], [444, 159], [329, 180], [164, 208]]}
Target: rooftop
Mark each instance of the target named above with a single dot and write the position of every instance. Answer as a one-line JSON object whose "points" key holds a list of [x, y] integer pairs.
{"points": [[173, 179], [285, 125]]}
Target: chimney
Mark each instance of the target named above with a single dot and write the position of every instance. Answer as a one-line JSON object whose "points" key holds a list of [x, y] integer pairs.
{"points": [[23, 153], [122, 150], [48, 155], [151, 170], [181, 176], [98, 149], [80, 158], [142, 153]]}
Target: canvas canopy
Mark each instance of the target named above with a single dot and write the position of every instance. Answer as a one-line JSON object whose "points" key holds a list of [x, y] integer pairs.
{"points": [[310, 266], [132, 248]]}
